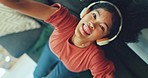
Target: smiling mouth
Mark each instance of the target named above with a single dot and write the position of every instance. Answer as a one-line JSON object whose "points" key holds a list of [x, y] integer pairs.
{"points": [[86, 28]]}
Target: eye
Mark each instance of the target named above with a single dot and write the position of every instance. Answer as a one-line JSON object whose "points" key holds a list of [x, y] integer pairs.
{"points": [[102, 27], [94, 15]]}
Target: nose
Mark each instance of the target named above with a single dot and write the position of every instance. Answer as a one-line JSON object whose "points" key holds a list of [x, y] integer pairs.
{"points": [[91, 24]]}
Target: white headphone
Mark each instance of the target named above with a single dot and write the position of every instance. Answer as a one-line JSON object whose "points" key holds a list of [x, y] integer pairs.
{"points": [[103, 41]]}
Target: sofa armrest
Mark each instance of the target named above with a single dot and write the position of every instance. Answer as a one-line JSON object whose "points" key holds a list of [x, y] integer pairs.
{"points": [[19, 43]]}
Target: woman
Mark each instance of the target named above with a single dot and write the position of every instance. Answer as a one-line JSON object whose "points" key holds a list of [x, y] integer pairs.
{"points": [[74, 41]]}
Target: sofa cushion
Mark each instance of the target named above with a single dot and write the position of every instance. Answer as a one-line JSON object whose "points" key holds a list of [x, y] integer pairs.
{"points": [[12, 21]]}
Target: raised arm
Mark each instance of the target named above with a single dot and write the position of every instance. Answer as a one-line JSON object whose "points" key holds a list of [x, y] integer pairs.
{"points": [[30, 7]]}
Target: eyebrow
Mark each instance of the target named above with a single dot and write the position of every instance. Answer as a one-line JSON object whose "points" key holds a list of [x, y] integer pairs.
{"points": [[97, 12], [100, 15]]}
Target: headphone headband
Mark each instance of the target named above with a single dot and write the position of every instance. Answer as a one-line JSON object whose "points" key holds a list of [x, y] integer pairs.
{"points": [[121, 19]]}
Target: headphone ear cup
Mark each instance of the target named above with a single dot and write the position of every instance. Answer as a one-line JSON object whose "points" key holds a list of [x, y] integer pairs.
{"points": [[102, 41], [83, 12]]}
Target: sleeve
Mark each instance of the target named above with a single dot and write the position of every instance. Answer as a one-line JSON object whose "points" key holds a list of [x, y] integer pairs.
{"points": [[61, 19], [101, 67]]}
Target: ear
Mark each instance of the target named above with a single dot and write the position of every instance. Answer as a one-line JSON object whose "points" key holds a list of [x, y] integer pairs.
{"points": [[84, 12], [102, 41]]}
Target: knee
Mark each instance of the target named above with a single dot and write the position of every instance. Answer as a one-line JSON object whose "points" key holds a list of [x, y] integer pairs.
{"points": [[38, 73]]}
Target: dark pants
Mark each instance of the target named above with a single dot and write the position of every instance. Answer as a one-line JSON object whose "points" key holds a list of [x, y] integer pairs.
{"points": [[49, 66]]}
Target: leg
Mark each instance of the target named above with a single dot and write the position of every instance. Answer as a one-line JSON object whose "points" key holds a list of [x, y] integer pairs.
{"points": [[60, 71], [46, 62]]}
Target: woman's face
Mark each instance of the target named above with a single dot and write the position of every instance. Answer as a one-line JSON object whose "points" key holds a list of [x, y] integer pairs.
{"points": [[94, 25]]}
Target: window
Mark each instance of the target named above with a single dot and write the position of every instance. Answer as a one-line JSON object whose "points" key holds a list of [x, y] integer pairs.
{"points": [[141, 47]]}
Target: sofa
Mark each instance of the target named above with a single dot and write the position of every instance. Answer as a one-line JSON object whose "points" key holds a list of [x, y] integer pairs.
{"points": [[127, 63]]}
